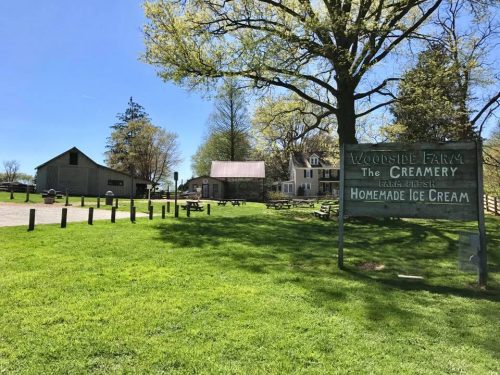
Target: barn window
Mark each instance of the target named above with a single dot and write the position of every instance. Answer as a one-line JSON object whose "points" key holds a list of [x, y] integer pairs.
{"points": [[115, 182], [73, 158]]}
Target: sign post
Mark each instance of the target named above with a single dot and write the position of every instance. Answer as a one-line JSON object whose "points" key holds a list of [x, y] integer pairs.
{"points": [[176, 177], [423, 180]]}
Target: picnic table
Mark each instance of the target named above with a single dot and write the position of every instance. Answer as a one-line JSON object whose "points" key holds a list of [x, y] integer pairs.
{"points": [[59, 194], [303, 203], [193, 206], [234, 202], [278, 204]]}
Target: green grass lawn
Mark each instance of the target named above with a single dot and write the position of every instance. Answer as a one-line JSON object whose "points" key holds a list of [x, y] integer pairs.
{"points": [[246, 290]]}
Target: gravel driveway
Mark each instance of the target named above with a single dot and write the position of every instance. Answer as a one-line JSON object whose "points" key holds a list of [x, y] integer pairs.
{"points": [[13, 214]]}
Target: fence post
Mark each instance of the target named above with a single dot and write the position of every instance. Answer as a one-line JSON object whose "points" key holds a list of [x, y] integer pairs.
{"points": [[168, 207], [132, 214], [208, 209], [64, 217], [82, 201], [113, 214], [150, 212], [98, 202], [91, 215], [31, 225], [163, 212]]}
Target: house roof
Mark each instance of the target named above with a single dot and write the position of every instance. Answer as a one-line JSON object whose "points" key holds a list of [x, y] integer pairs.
{"points": [[235, 169], [302, 160], [73, 149]]}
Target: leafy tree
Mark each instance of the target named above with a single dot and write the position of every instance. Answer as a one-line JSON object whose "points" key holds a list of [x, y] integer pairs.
{"points": [[228, 130], [279, 125], [439, 98], [430, 105], [117, 146], [320, 50], [151, 153], [11, 170], [491, 157]]}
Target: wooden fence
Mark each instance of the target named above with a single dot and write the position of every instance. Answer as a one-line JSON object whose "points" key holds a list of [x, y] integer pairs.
{"points": [[492, 204]]}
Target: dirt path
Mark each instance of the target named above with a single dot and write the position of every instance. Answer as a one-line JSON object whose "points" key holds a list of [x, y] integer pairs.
{"points": [[14, 214]]}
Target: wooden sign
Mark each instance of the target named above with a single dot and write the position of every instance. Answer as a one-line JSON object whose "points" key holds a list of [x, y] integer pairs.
{"points": [[417, 180], [423, 180]]}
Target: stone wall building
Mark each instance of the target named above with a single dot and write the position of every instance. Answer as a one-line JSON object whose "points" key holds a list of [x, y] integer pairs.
{"points": [[76, 173]]}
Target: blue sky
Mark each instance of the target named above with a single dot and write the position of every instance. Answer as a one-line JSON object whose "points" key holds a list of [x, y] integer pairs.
{"points": [[68, 67]]}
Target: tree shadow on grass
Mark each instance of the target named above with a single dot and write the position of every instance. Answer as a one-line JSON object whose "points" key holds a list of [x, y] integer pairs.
{"points": [[303, 254], [263, 244]]}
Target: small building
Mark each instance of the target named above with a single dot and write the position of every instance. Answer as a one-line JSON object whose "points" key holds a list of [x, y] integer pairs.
{"points": [[207, 187], [311, 174], [76, 173], [241, 179]]}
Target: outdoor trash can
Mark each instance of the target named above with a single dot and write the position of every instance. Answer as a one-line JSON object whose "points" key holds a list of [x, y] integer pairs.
{"points": [[50, 197], [109, 198]]}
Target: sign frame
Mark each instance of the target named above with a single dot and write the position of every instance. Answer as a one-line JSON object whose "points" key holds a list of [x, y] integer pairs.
{"points": [[473, 172]]}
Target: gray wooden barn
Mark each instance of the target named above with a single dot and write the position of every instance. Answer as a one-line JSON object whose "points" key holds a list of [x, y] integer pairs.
{"points": [[75, 172]]}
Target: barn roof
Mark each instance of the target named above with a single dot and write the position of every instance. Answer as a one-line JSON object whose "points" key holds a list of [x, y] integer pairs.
{"points": [[238, 169]]}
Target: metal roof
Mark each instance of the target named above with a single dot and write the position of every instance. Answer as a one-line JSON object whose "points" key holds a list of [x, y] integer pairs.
{"points": [[235, 169]]}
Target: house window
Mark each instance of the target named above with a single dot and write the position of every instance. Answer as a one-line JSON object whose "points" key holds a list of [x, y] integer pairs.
{"points": [[115, 182], [308, 173], [314, 160], [73, 158], [287, 188], [306, 185], [327, 173]]}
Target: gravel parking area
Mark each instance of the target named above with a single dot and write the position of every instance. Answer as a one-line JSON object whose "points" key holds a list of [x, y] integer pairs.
{"points": [[14, 214]]}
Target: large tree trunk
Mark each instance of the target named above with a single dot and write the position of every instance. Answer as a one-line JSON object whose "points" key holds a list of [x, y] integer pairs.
{"points": [[346, 114]]}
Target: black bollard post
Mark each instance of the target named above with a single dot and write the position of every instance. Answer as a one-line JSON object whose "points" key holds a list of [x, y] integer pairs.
{"points": [[82, 201], [116, 203], [150, 212], [163, 212], [208, 209], [11, 192], [64, 217], [188, 210], [98, 202], [67, 199], [132, 214], [132, 202], [27, 193], [168, 207], [31, 225], [113, 214], [176, 211], [91, 215]]}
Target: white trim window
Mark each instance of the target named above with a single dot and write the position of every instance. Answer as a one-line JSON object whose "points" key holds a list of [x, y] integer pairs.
{"points": [[308, 173], [327, 173], [288, 188], [306, 185], [314, 160]]}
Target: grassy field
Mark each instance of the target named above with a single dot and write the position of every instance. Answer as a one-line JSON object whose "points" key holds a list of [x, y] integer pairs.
{"points": [[245, 290]]}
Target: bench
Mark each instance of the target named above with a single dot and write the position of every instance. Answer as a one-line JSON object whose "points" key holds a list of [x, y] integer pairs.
{"points": [[303, 203], [278, 204], [324, 212]]}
